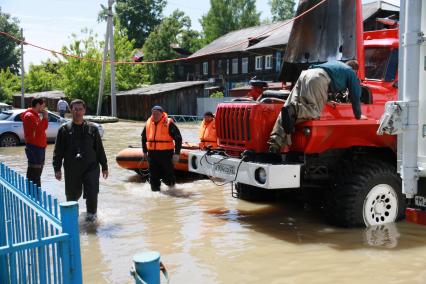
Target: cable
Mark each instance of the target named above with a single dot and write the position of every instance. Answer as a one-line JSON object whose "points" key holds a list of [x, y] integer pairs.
{"points": [[218, 162], [167, 60]]}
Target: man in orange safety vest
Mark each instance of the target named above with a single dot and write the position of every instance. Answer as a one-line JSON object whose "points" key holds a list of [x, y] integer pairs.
{"points": [[207, 134], [161, 145]]}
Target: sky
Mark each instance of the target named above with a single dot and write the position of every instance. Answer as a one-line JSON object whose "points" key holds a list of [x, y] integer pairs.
{"points": [[49, 23]]}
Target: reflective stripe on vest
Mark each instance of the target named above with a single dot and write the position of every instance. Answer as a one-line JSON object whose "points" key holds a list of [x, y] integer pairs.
{"points": [[157, 135], [208, 135]]}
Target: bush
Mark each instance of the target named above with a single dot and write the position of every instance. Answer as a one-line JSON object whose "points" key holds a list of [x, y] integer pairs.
{"points": [[217, 95], [9, 84]]}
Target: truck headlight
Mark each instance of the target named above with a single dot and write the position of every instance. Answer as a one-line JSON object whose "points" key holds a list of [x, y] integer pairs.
{"points": [[194, 163], [260, 175]]}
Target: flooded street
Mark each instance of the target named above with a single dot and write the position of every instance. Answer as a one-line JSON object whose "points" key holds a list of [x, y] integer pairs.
{"points": [[205, 235]]}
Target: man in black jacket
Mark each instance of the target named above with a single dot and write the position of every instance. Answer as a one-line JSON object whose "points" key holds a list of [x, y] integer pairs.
{"points": [[79, 145]]}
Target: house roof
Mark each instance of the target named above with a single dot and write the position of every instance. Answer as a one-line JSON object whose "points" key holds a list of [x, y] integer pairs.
{"points": [[236, 40], [49, 94], [369, 9], [272, 34], [278, 37], [161, 88]]}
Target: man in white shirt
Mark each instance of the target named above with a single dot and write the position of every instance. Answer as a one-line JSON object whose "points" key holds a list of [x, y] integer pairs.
{"points": [[62, 107]]}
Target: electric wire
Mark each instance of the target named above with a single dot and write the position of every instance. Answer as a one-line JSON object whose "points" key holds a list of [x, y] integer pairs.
{"points": [[5, 34]]}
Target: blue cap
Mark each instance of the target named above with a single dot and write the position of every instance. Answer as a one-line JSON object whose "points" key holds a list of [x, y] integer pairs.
{"points": [[159, 108]]}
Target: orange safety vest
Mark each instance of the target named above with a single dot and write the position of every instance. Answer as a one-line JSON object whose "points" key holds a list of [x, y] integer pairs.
{"points": [[157, 134], [208, 135]]}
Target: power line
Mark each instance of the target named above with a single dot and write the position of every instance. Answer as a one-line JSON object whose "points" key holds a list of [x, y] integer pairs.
{"points": [[167, 60]]}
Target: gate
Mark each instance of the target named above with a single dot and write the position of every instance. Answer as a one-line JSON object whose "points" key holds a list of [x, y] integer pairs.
{"points": [[39, 240]]}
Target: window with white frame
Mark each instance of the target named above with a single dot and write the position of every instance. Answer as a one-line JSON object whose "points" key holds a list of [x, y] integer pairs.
{"points": [[278, 62], [227, 66], [235, 66], [244, 65], [268, 61], [205, 68], [258, 63]]}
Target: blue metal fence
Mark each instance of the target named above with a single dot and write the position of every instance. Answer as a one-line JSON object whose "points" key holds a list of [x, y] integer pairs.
{"points": [[185, 118], [38, 242]]}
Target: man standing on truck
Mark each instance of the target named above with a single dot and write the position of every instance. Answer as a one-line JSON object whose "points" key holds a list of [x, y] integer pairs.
{"points": [[158, 147], [310, 94], [35, 138]]}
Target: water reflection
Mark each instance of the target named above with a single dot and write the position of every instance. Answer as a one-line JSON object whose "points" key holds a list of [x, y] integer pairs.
{"points": [[382, 236], [206, 236]]}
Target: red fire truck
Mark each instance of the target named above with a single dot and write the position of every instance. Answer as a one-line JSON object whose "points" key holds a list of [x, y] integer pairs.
{"points": [[358, 168]]}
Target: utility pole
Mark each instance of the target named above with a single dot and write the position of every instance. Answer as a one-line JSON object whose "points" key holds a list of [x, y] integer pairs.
{"points": [[109, 40], [102, 80], [22, 71], [112, 58]]}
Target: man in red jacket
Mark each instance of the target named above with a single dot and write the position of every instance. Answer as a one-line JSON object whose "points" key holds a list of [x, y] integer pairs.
{"points": [[35, 138]]}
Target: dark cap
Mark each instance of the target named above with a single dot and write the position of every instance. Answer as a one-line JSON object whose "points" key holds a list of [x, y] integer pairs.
{"points": [[159, 108], [209, 113]]}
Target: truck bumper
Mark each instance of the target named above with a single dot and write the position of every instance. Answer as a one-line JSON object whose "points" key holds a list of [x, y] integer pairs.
{"points": [[268, 176]]}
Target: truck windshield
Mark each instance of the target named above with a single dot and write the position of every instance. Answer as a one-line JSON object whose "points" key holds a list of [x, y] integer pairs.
{"points": [[376, 62]]}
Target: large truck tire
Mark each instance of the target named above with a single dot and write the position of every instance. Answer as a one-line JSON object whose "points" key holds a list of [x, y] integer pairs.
{"points": [[365, 192], [252, 193]]}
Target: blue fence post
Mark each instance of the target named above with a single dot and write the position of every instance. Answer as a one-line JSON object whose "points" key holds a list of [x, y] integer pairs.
{"points": [[147, 267], [4, 271], [69, 219]]}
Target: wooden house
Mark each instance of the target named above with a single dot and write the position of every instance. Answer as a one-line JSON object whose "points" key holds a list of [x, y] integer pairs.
{"points": [[178, 98]]}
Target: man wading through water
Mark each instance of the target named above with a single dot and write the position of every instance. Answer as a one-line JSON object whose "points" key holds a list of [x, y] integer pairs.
{"points": [[35, 138], [79, 145], [157, 145]]}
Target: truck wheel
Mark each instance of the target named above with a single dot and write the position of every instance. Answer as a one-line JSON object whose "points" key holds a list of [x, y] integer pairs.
{"points": [[252, 193], [365, 192], [9, 140]]}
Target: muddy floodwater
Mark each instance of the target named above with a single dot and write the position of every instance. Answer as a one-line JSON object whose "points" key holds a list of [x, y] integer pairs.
{"points": [[205, 235]]}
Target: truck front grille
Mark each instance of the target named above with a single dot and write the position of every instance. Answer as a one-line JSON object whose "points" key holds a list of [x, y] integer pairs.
{"points": [[234, 125]]}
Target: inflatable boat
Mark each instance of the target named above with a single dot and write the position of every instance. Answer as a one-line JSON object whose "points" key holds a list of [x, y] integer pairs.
{"points": [[132, 158]]}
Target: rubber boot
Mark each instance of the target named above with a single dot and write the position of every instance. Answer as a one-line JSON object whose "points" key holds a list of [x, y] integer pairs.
{"points": [[288, 118]]}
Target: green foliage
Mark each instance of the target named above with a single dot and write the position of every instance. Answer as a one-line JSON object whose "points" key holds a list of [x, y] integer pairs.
{"points": [[225, 16], [80, 79], [9, 49], [139, 17], [9, 84], [191, 40], [174, 29], [217, 95], [43, 77], [282, 9], [127, 76]]}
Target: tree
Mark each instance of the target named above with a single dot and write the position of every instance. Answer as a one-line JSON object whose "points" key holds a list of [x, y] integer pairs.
{"points": [[282, 9], [128, 76], [9, 84], [9, 49], [225, 16], [173, 29], [80, 78], [139, 17], [43, 77]]}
